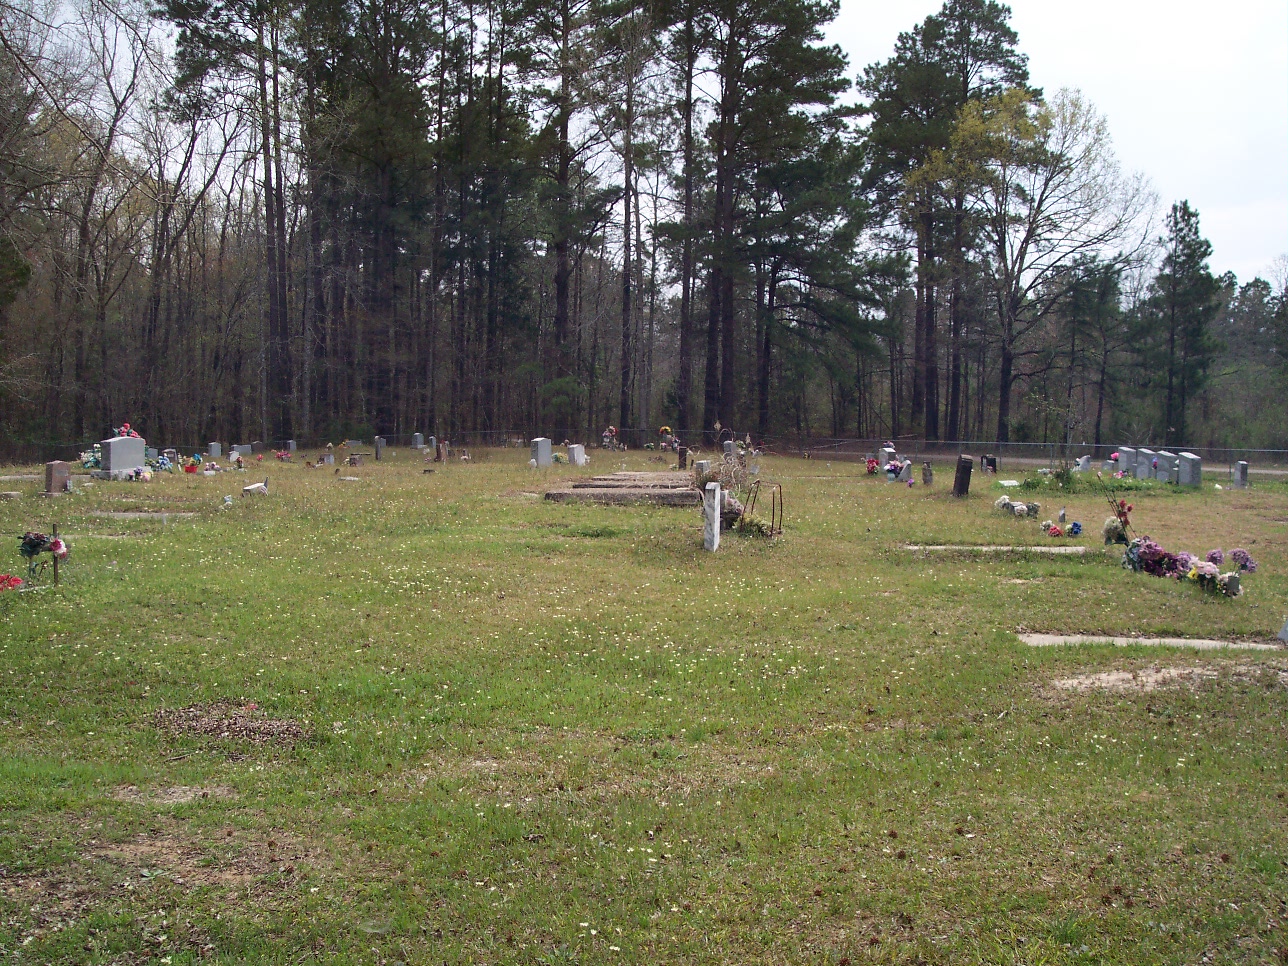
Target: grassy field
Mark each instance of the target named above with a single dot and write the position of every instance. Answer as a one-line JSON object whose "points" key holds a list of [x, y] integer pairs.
{"points": [[446, 721]]}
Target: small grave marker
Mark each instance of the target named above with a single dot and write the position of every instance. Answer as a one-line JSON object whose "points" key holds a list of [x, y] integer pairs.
{"points": [[58, 477], [151, 452], [712, 503], [701, 467], [417, 441], [380, 448], [1283, 634], [290, 446], [728, 449], [1082, 465], [1241, 475], [905, 472], [888, 456], [682, 457], [576, 454], [927, 474]]}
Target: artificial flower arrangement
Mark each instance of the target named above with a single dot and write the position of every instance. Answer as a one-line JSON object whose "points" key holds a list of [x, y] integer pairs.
{"points": [[1116, 527], [126, 431], [34, 544], [92, 458], [1144, 555], [1021, 509], [873, 466], [285, 455], [9, 582], [560, 458]]}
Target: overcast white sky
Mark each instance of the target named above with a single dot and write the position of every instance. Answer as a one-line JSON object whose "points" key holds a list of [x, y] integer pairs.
{"points": [[1196, 94]]}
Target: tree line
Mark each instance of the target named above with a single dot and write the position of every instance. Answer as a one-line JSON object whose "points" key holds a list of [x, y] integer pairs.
{"points": [[236, 219]]}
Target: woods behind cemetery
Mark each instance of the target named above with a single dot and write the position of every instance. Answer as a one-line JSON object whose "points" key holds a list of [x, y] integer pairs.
{"points": [[324, 217]]}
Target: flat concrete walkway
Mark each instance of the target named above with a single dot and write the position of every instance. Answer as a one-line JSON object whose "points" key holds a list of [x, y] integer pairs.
{"points": [[1199, 643]]}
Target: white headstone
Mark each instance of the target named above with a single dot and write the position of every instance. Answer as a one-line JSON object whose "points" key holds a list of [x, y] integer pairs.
{"points": [[541, 451], [1126, 461], [121, 454], [327, 459], [712, 503], [888, 456], [214, 450], [576, 454], [290, 446], [1145, 464], [417, 441], [432, 445], [1190, 471], [1241, 475], [728, 448], [1082, 465]]}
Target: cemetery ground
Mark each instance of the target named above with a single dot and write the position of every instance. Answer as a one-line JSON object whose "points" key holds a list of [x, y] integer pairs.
{"points": [[434, 718]]}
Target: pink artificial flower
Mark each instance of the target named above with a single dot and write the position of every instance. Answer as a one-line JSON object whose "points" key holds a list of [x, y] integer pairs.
{"points": [[58, 548]]}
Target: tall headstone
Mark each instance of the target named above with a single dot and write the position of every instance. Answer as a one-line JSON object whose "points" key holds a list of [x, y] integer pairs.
{"points": [[712, 504], [1190, 471], [728, 449], [576, 454], [1241, 475], [380, 448], [927, 474], [57, 475], [417, 441], [682, 457], [1167, 466], [1126, 461], [290, 446], [961, 482], [1145, 463], [122, 454], [888, 456], [214, 450], [541, 451]]}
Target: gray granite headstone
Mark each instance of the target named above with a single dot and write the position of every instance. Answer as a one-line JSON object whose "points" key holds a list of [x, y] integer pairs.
{"points": [[888, 456], [1190, 470], [729, 448], [541, 451], [57, 477], [151, 452], [1241, 475], [327, 459], [712, 504], [1108, 466], [380, 448], [905, 473], [1167, 466], [241, 449], [682, 457], [1145, 464], [171, 454], [927, 474], [1082, 464], [701, 467], [257, 446], [432, 445], [121, 454], [417, 441], [290, 446], [1126, 461], [576, 454], [1283, 634], [214, 450]]}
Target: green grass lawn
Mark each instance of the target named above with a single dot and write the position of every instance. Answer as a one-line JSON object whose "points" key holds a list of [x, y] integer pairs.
{"points": [[540, 733]]}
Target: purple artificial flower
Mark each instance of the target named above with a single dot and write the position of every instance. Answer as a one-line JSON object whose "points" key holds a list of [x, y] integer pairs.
{"points": [[1244, 560], [1216, 556], [1184, 561]]}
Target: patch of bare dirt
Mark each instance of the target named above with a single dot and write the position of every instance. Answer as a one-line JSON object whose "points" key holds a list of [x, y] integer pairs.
{"points": [[173, 795], [224, 719], [1157, 676]]}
